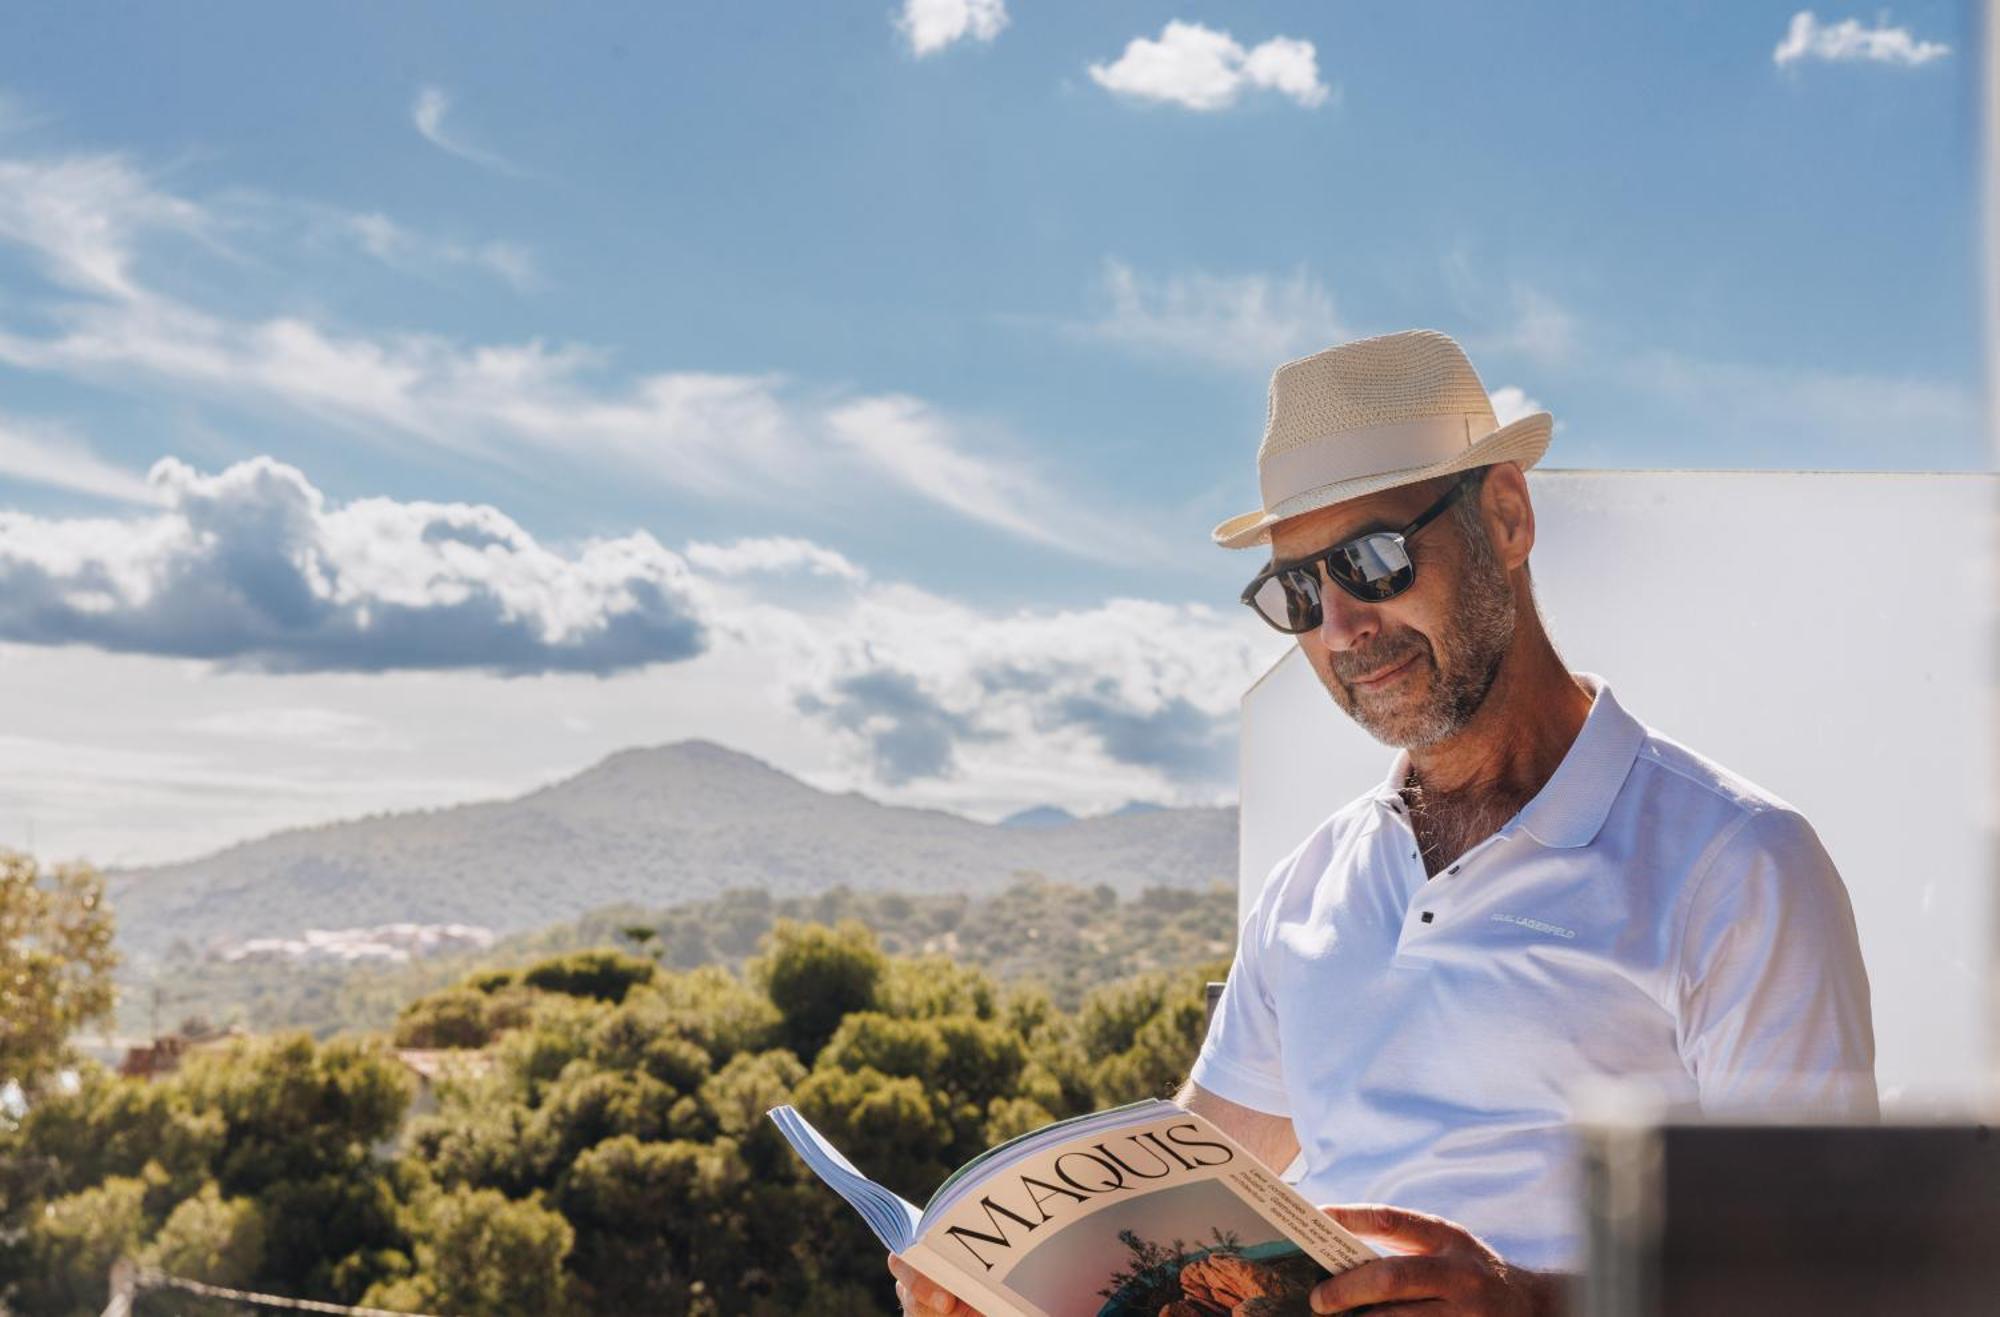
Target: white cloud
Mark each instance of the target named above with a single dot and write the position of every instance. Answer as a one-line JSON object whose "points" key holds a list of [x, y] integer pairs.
{"points": [[1542, 329], [746, 436], [428, 114], [929, 454], [303, 727], [84, 215], [1251, 322], [253, 568], [923, 689], [931, 25], [1511, 403], [769, 555], [1202, 69], [403, 248], [909, 441], [85, 220], [1808, 38], [41, 455], [1848, 417]]}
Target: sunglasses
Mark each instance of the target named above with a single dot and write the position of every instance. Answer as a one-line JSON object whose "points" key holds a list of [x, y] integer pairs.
{"points": [[1371, 567]]}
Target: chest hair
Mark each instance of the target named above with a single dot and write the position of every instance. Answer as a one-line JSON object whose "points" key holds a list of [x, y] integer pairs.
{"points": [[1448, 824]]}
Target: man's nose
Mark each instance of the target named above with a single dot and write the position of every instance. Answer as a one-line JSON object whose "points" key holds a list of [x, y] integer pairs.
{"points": [[1344, 621]]}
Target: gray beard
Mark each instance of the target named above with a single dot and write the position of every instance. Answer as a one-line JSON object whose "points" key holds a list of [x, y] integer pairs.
{"points": [[1474, 642]]}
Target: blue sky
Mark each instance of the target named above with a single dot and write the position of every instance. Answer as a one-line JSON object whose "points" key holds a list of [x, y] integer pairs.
{"points": [[941, 354]]}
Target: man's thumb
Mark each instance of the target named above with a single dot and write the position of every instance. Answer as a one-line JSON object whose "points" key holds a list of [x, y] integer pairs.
{"points": [[1413, 1231]]}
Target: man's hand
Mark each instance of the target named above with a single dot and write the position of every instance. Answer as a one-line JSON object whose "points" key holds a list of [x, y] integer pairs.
{"points": [[1444, 1271], [923, 1297]]}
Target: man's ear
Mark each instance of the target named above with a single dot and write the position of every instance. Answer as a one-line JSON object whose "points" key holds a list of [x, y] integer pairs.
{"points": [[1508, 513]]}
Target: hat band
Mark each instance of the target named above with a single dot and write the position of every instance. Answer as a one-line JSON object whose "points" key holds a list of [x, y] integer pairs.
{"points": [[1372, 450]]}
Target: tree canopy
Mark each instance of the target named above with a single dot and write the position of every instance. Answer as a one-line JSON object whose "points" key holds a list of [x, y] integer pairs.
{"points": [[603, 1148], [55, 964]]}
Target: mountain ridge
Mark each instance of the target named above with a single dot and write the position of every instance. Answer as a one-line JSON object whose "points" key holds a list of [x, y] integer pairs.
{"points": [[650, 825]]}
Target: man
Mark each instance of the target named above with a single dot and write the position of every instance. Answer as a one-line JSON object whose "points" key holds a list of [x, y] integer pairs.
{"points": [[1542, 893]]}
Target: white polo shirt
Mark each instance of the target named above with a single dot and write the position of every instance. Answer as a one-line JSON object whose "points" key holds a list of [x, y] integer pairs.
{"points": [[1648, 914]]}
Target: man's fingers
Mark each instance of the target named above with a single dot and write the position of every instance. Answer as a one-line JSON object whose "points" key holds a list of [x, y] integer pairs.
{"points": [[919, 1292], [1415, 1230], [1389, 1280]]}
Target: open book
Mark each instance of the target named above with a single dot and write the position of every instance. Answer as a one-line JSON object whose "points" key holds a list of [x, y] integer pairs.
{"points": [[1145, 1209]]}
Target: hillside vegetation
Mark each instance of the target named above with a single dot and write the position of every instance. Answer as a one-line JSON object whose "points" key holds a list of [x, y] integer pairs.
{"points": [[1068, 939]]}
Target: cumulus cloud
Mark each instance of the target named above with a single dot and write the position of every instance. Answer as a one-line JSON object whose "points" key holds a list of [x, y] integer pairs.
{"points": [[1511, 403], [908, 734], [254, 568], [924, 688], [1808, 38], [770, 555], [1200, 68], [428, 114], [1248, 322], [932, 25]]}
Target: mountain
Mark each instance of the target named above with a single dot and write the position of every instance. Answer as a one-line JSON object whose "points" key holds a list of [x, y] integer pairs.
{"points": [[1039, 816], [651, 827]]}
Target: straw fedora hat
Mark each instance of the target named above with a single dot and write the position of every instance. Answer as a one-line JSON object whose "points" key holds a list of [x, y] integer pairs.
{"points": [[1371, 415]]}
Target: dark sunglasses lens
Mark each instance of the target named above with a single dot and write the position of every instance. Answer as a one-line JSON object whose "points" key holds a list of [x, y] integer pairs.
{"points": [[1373, 567], [1289, 601]]}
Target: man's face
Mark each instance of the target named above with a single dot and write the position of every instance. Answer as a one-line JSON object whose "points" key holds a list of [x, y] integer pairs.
{"points": [[1411, 670]]}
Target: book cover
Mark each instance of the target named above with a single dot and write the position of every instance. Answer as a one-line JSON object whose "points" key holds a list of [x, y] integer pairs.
{"points": [[1146, 1209]]}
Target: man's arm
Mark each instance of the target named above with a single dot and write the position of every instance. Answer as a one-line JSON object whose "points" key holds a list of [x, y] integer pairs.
{"points": [[1771, 993], [1270, 1139]]}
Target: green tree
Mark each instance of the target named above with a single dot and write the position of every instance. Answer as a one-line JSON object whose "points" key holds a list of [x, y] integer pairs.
{"points": [[482, 1254], [602, 975], [211, 1238], [105, 1127], [663, 1225], [816, 976], [301, 1125], [455, 1017], [887, 1126], [55, 964], [1140, 1036], [293, 1110], [72, 1242]]}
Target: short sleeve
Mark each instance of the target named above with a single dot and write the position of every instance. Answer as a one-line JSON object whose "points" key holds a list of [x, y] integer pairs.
{"points": [[1773, 1002], [1239, 1060]]}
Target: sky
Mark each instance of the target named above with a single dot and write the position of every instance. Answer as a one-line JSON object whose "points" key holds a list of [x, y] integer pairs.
{"points": [[402, 405]]}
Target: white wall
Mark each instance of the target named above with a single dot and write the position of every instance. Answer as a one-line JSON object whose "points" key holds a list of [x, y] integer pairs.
{"points": [[1847, 664]]}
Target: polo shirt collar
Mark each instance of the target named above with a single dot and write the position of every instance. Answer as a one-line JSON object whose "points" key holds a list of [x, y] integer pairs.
{"points": [[1572, 805]]}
